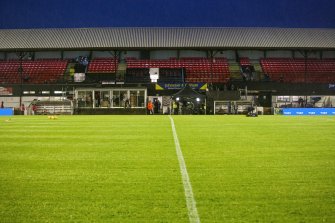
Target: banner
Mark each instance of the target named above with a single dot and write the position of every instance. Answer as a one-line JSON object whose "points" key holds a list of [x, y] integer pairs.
{"points": [[308, 111], [6, 111], [154, 74], [178, 86], [6, 91], [79, 77]]}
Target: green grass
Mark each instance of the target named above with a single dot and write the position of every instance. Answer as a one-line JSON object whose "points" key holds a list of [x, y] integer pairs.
{"points": [[125, 169]]}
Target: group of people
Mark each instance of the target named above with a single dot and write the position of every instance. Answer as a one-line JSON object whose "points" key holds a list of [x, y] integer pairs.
{"points": [[153, 107], [23, 108]]}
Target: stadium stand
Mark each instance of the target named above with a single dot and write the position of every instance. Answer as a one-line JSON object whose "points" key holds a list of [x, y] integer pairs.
{"points": [[196, 69], [245, 61], [299, 70], [103, 65], [35, 72]]}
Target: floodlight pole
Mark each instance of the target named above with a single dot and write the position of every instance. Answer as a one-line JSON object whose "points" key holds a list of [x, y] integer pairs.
{"points": [[20, 70], [305, 72], [116, 56], [211, 58]]}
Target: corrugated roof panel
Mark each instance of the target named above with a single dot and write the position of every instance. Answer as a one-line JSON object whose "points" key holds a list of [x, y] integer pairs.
{"points": [[166, 38]]}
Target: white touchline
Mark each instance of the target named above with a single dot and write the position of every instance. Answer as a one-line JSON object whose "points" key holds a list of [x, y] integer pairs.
{"points": [[190, 201]]}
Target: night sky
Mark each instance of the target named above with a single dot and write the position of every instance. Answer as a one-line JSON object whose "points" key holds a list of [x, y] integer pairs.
{"points": [[17, 14]]}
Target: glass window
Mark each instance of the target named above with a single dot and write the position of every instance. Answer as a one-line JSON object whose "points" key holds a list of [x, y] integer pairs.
{"points": [[85, 99], [296, 98], [105, 99], [137, 98], [283, 98], [119, 98]]}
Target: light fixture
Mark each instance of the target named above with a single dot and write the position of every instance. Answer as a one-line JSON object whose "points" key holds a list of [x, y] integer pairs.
{"points": [[177, 99], [198, 99]]}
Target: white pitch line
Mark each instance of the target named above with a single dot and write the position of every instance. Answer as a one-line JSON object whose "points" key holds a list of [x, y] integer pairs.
{"points": [[190, 201]]}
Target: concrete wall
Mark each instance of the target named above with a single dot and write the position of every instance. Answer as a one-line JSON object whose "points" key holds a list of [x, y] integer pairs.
{"points": [[328, 54], [135, 54], [192, 53], [252, 54], [51, 55], [279, 53], [104, 54], [74, 54], [163, 54]]}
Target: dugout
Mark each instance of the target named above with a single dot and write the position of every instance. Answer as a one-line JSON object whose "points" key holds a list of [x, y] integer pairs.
{"points": [[110, 100], [189, 101]]}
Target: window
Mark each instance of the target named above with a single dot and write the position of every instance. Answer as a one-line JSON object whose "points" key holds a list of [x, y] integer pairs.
{"points": [[110, 98], [85, 99], [29, 92], [137, 98], [59, 92], [283, 98], [105, 99], [119, 98]]}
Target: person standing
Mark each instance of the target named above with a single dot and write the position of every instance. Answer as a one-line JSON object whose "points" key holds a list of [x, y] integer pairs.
{"points": [[22, 109], [157, 106], [150, 108], [33, 109], [175, 108], [2, 106]]}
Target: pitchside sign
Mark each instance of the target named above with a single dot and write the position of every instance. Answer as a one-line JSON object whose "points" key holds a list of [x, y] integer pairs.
{"points": [[309, 111], [177, 86], [6, 111]]}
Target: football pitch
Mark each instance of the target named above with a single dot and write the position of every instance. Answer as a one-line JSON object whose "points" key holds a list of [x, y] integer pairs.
{"points": [[126, 169]]}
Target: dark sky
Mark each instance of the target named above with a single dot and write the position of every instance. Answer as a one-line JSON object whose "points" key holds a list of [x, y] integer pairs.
{"points": [[16, 14]]}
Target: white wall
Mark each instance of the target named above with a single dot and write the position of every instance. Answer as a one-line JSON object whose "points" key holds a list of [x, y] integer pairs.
{"points": [[12, 102]]}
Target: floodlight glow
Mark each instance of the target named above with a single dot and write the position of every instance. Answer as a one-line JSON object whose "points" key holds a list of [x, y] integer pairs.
{"points": [[198, 99], [177, 99]]}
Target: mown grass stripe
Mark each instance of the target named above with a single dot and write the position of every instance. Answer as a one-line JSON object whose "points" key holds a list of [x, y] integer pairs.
{"points": [[190, 201]]}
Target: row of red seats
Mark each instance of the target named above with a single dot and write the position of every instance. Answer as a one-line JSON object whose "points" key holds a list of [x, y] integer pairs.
{"points": [[299, 70], [196, 68], [245, 61], [103, 65], [37, 71], [174, 63]]}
